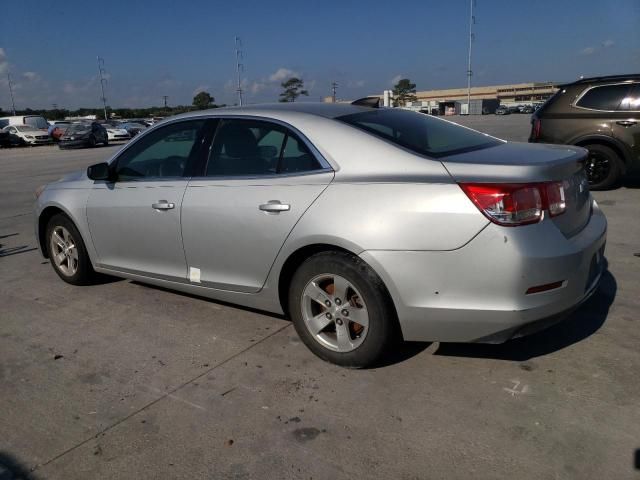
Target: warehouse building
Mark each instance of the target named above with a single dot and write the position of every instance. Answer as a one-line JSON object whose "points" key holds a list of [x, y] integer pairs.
{"points": [[483, 99]]}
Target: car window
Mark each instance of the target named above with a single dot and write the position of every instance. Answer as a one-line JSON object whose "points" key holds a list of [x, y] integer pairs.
{"points": [[607, 97], [632, 100], [162, 153], [253, 147], [36, 122], [419, 133]]}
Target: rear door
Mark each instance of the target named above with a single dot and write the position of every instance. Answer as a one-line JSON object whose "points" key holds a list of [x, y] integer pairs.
{"points": [[626, 125], [259, 179], [135, 221]]}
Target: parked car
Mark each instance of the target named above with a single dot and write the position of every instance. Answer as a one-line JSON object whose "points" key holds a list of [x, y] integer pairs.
{"points": [[116, 133], [132, 128], [4, 138], [503, 110], [84, 135], [26, 135], [36, 121], [601, 114], [528, 109], [359, 223]]}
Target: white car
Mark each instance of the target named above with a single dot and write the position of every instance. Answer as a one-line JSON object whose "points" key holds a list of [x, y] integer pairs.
{"points": [[115, 133], [27, 135]]}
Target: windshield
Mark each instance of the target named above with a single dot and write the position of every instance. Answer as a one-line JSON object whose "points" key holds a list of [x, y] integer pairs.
{"points": [[419, 133], [36, 122], [79, 127], [26, 128]]}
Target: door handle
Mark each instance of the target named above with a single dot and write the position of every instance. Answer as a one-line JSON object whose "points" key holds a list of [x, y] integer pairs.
{"points": [[163, 205], [626, 123], [274, 206]]}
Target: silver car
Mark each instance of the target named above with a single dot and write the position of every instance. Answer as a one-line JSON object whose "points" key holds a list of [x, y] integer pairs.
{"points": [[363, 225]]}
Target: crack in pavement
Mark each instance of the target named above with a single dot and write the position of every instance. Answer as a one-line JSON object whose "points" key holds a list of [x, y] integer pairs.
{"points": [[168, 394]]}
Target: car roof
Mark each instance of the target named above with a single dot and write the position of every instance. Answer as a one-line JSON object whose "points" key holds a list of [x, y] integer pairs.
{"points": [[607, 78], [327, 110]]}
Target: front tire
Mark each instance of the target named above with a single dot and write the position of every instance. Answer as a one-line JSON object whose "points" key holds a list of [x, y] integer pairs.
{"points": [[341, 310], [67, 252], [604, 167]]}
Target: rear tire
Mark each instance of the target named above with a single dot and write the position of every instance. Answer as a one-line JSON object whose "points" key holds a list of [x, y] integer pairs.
{"points": [[329, 294], [67, 252], [604, 167]]}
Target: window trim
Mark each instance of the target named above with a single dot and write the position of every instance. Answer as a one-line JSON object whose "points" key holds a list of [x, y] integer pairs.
{"points": [[325, 166], [629, 83]]}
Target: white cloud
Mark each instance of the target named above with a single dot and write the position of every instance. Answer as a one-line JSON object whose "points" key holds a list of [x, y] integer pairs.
{"points": [[257, 87], [396, 79], [608, 43], [588, 51], [30, 76], [201, 88], [282, 74], [4, 63]]}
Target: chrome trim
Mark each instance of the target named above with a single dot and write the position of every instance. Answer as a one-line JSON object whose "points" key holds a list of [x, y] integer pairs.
{"points": [[574, 104]]}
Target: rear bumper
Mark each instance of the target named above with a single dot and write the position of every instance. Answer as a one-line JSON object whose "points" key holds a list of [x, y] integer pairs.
{"points": [[477, 293]]}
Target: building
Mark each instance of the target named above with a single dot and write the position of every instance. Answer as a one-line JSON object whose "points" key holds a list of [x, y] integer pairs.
{"points": [[483, 99]]}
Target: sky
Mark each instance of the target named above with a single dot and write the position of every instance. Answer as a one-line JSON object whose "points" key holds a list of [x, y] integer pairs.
{"points": [[177, 48]]}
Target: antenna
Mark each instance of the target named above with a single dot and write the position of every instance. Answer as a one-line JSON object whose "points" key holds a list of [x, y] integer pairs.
{"points": [[472, 21], [334, 87], [101, 71], [13, 103], [239, 68]]}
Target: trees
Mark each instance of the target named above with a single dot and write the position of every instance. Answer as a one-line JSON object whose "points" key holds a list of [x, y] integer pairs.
{"points": [[293, 88], [404, 91], [203, 100]]}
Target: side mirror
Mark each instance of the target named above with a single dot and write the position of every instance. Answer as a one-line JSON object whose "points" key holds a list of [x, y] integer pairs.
{"points": [[99, 171]]}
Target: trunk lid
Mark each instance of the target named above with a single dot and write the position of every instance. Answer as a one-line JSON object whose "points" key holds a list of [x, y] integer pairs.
{"points": [[514, 162]]}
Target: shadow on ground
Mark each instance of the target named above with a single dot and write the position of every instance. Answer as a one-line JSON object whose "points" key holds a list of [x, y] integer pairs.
{"points": [[12, 469], [583, 323]]}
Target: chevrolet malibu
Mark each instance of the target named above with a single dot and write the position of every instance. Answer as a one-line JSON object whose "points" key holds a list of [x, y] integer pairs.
{"points": [[363, 225]]}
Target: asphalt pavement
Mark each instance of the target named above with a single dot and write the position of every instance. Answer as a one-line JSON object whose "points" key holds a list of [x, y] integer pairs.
{"points": [[122, 380]]}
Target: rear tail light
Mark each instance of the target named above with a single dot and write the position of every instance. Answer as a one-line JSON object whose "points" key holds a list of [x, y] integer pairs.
{"points": [[513, 204], [537, 128]]}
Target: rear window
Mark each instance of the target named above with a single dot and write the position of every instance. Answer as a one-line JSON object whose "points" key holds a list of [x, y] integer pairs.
{"points": [[419, 133], [606, 97]]}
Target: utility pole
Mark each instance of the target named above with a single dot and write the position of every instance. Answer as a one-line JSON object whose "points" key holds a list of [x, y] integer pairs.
{"points": [[239, 68], [13, 103], [472, 21], [334, 87], [101, 71], [165, 100]]}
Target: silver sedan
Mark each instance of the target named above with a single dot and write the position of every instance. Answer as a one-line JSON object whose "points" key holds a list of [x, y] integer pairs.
{"points": [[363, 225]]}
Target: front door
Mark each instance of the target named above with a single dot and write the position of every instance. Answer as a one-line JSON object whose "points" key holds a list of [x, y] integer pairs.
{"points": [[259, 180], [135, 220]]}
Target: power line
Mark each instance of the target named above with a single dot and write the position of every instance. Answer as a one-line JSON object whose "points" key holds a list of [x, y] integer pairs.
{"points": [[239, 68], [101, 71], [13, 103], [334, 87]]}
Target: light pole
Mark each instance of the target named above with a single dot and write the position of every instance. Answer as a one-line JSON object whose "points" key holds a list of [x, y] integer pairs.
{"points": [[239, 67], [101, 71], [13, 103], [334, 87], [472, 20]]}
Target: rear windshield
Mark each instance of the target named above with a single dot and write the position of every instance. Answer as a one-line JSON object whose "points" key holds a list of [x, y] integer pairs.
{"points": [[418, 132], [36, 122]]}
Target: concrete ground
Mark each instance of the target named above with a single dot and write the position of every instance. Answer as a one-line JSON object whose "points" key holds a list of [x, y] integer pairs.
{"points": [[123, 380]]}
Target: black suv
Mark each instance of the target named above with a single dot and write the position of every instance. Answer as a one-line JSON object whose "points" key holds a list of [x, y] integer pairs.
{"points": [[601, 114]]}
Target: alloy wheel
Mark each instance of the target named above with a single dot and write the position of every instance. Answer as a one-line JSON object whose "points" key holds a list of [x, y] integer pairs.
{"points": [[598, 167], [334, 312], [64, 251]]}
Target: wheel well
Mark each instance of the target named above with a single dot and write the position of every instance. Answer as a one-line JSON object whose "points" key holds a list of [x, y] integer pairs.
{"points": [[297, 258], [605, 143], [293, 262], [43, 220]]}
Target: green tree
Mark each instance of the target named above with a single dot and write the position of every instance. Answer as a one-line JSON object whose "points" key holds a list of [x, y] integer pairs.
{"points": [[203, 100], [404, 91], [293, 88]]}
